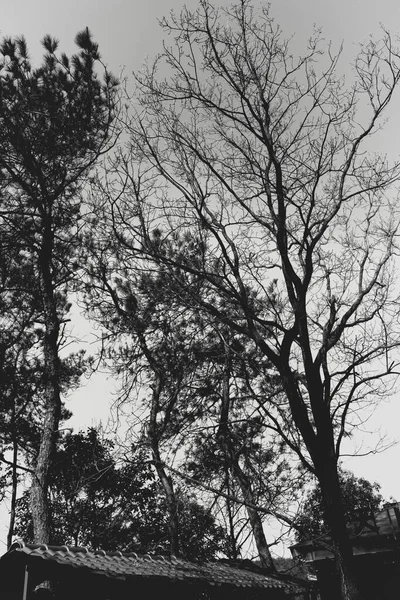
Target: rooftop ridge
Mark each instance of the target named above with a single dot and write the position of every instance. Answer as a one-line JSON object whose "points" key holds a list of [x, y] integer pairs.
{"points": [[20, 544], [131, 566]]}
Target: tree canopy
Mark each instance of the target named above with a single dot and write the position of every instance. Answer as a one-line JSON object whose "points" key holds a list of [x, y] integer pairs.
{"points": [[98, 503], [235, 250], [361, 500], [55, 122], [248, 180]]}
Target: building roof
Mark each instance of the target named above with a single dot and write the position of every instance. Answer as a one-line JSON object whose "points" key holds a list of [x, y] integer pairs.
{"points": [[128, 566]]}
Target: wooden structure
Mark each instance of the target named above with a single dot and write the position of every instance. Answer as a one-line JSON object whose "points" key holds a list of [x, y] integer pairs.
{"points": [[78, 573], [376, 551]]}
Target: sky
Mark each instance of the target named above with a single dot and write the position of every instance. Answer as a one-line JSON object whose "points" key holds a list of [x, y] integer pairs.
{"points": [[128, 32]]}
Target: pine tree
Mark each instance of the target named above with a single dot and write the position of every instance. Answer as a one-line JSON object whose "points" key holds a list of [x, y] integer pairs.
{"points": [[55, 122]]}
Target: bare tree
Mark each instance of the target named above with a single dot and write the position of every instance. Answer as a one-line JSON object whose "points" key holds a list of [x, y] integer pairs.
{"points": [[265, 160]]}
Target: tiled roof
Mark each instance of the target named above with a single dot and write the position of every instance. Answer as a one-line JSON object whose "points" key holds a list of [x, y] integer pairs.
{"points": [[130, 565]]}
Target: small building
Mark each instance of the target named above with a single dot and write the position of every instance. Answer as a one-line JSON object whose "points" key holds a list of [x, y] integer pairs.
{"points": [[376, 551], [77, 573]]}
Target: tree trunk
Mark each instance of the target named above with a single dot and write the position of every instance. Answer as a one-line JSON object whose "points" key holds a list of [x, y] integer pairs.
{"points": [[234, 553], [321, 447], [52, 403], [10, 532], [239, 474], [264, 553], [173, 524], [342, 546], [166, 482], [40, 482]]}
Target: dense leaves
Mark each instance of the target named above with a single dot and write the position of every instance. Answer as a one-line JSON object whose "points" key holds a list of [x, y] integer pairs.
{"points": [[361, 499], [99, 503]]}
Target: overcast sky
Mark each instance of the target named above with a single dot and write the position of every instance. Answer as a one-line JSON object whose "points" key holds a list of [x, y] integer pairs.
{"points": [[127, 32]]}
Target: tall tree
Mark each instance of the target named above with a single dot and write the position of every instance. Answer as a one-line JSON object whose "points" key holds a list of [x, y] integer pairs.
{"points": [[55, 121], [21, 367], [263, 160]]}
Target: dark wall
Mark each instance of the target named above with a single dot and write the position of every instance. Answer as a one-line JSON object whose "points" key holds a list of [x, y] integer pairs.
{"points": [[378, 575]]}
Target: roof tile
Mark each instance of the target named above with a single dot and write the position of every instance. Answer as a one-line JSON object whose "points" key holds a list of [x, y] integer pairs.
{"points": [[130, 565]]}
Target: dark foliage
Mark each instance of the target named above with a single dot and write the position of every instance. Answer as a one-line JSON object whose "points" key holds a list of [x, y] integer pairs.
{"points": [[55, 122], [99, 504], [361, 499]]}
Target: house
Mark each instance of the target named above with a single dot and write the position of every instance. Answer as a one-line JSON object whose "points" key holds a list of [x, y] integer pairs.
{"points": [[76, 573], [376, 551]]}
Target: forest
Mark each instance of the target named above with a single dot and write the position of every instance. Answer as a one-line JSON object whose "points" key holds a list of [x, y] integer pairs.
{"points": [[231, 233]]}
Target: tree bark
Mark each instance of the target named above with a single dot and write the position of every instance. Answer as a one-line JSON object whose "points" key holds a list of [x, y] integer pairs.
{"points": [[52, 402], [13, 503], [241, 477], [234, 553], [264, 553], [319, 441], [165, 480], [342, 546]]}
